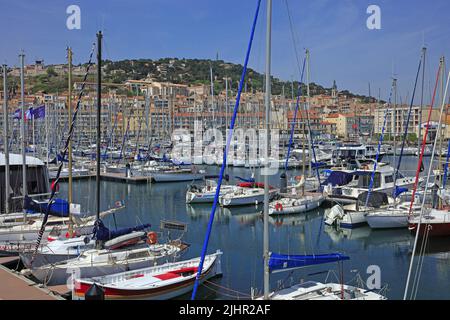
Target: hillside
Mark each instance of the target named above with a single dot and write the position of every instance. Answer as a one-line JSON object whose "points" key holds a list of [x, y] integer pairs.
{"points": [[180, 71]]}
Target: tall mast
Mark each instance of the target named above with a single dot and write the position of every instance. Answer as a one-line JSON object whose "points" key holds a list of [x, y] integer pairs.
{"points": [[394, 123], [69, 117], [306, 112], [22, 132], [226, 104], [212, 93], [5, 138], [266, 176], [424, 51], [99, 105], [440, 121], [47, 141]]}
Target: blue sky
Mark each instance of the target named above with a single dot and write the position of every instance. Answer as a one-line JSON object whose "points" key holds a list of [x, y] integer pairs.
{"points": [[341, 46]]}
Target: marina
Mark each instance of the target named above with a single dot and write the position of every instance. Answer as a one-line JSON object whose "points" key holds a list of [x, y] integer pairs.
{"points": [[195, 179]]}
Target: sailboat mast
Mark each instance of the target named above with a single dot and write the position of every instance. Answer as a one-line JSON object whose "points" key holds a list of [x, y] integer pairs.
{"points": [[266, 175], [439, 130], [47, 142], [424, 51], [69, 114], [308, 92], [5, 138], [394, 123], [226, 104], [212, 93], [22, 132], [99, 105]]}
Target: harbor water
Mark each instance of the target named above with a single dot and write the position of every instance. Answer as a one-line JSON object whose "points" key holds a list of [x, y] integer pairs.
{"points": [[238, 232]]}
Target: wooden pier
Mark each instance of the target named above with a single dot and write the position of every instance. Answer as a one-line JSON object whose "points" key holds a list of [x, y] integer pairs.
{"points": [[16, 287]]}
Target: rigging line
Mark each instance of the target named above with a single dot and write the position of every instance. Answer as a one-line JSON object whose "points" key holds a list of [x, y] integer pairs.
{"points": [[418, 225], [227, 289], [444, 180], [291, 27], [372, 176], [299, 95], [66, 147], [222, 169], [421, 261], [419, 164], [307, 107], [427, 226], [406, 125]]}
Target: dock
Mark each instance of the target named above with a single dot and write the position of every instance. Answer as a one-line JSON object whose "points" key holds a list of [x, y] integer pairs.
{"points": [[107, 176], [120, 177], [17, 287]]}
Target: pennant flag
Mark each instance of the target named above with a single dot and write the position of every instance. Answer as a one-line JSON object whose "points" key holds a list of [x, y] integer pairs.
{"points": [[39, 112]]}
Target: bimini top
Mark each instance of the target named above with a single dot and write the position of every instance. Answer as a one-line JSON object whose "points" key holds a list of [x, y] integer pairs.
{"points": [[16, 160]]}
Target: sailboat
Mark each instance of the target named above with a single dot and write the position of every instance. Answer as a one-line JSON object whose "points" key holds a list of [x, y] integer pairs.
{"points": [[156, 282], [396, 215], [310, 290], [111, 254], [205, 194], [298, 201], [435, 221], [161, 282]]}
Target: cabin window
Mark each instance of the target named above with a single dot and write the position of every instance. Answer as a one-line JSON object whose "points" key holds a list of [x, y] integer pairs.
{"points": [[364, 181], [389, 179], [137, 255]]}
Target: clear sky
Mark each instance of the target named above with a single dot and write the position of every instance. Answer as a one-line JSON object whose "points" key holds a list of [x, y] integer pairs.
{"points": [[335, 31]]}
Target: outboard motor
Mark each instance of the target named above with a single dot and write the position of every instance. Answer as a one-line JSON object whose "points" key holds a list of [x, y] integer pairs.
{"points": [[335, 213]]}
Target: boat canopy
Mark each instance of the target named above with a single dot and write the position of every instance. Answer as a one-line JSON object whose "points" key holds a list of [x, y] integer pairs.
{"points": [[16, 160], [376, 199], [285, 262]]}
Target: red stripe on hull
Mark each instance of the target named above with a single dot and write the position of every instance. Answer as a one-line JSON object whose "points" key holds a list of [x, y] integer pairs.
{"points": [[112, 293], [436, 229]]}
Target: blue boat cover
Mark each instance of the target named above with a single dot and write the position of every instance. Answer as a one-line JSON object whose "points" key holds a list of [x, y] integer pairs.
{"points": [[59, 207], [102, 233], [399, 190], [245, 180], [338, 178], [283, 261]]}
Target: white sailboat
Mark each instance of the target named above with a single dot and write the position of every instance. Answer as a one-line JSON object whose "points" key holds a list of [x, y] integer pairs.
{"points": [[278, 262], [161, 282]]}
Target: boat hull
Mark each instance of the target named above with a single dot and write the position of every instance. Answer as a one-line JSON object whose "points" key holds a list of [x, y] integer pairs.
{"points": [[391, 221], [304, 207], [176, 177], [56, 276], [149, 292]]}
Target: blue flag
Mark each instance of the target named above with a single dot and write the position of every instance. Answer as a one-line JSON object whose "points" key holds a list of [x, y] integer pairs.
{"points": [[39, 112]]}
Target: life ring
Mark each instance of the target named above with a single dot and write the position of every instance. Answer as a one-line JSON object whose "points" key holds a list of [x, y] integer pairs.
{"points": [[278, 206], [152, 237]]}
